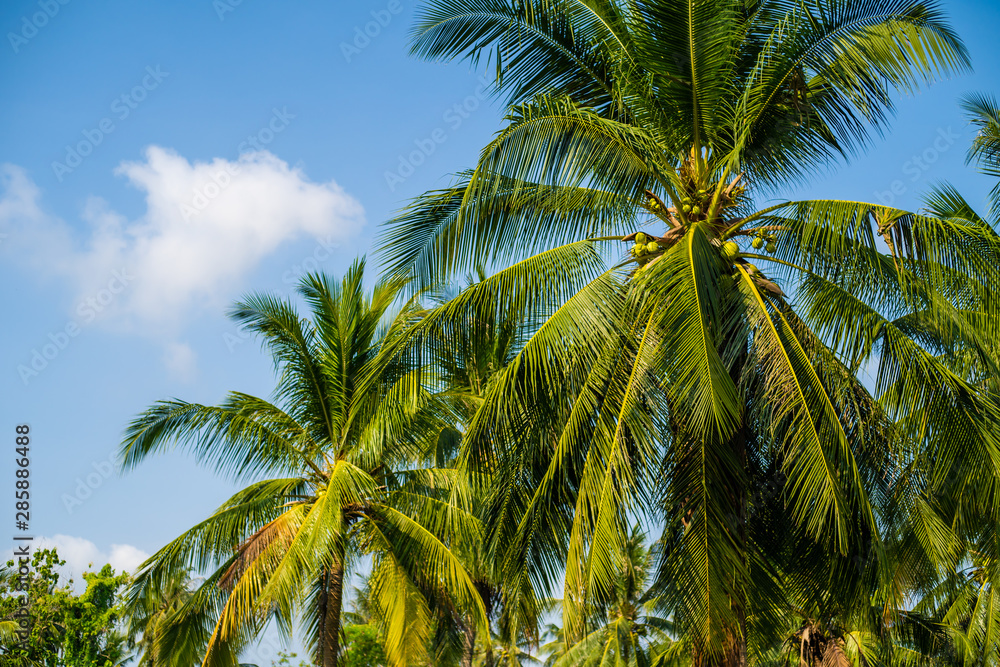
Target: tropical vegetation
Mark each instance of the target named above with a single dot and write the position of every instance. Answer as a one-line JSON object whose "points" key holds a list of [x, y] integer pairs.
{"points": [[338, 450], [61, 626], [615, 401], [681, 383]]}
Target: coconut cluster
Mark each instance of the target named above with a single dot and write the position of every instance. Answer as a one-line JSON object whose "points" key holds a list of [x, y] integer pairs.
{"points": [[644, 245], [697, 204], [763, 238]]}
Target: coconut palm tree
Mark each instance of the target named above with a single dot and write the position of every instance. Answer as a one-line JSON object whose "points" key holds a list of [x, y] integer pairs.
{"points": [[984, 113], [677, 379], [164, 630], [469, 346], [627, 632], [8, 631], [466, 350], [328, 479], [955, 546], [9, 638]]}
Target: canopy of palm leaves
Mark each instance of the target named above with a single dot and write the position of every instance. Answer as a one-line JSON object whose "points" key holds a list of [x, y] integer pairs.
{"points": [[626, 631], [469, 346], [328, 467], [156, 619], [8, 632], [677, 380], [953, 544]]}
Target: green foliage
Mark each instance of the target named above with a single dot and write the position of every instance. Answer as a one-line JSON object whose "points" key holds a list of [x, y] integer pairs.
{"points": [[362, 647], [285, 660], [82, 630], [46, 608], [695, 394], [93, 637], [339, 450]]}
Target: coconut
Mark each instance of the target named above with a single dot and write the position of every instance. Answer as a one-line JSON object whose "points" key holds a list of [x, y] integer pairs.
{"points": [[771, 247], [757, 243], [730, 250], [640, 238], [652, 246]]}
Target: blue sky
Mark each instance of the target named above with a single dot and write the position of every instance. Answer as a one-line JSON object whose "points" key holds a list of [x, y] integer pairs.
{"points": [[159, 159]]}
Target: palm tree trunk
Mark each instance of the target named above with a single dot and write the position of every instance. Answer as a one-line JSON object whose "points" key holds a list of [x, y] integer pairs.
{"points": [[329, 608], [739, 658], [737, 653], [469, 645]]}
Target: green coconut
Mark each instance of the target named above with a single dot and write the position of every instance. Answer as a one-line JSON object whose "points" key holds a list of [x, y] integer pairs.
{"points": [[652, 246], [640, 238], [730, 250], [757, 243], [771, 247]]}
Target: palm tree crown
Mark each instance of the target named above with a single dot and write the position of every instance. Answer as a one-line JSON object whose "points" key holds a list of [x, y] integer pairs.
{"points": [[678, 380], [334, 450]]}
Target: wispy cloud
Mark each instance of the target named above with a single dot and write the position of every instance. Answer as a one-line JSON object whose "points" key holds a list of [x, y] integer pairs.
{"points": [[205, 228], [82, 555]]}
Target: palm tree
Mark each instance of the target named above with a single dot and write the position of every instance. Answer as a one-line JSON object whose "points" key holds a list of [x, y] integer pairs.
{"points": [[350, 414], [162, 626], [626, 630], [466, 350], [468, 347], [984, 113], [8, 636], [678, 380], [957, 547], [8, 629]]}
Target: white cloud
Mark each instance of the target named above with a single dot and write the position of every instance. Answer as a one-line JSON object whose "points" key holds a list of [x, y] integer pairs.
{"points": [[31, 237], [125, 557], [206, 226], [82, 555]]}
